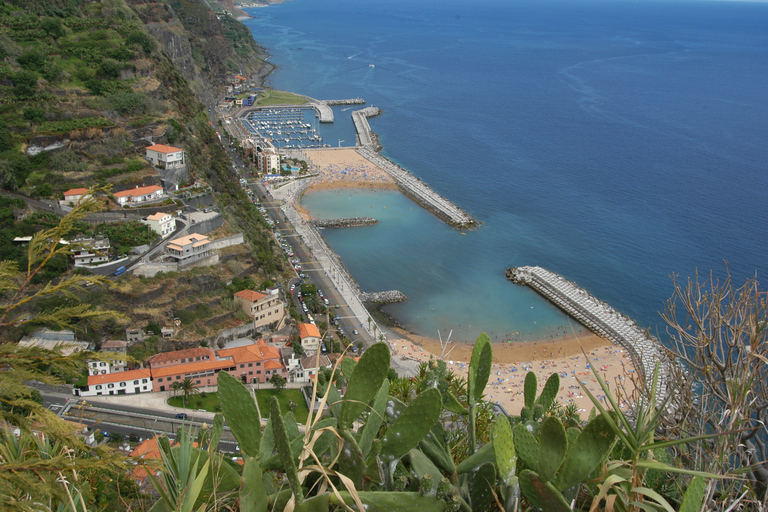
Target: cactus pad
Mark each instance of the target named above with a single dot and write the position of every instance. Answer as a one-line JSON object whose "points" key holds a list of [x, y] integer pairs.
{"points": [[694, 495], [549, 393], [529, 389], [284, 450], [375, 418], [253, 496], [482, 456], [412, 425], [589, 448], [366, 379], [240, 411], [391, 501], [553, 445], [504, 450], [542, 494], [479, 367], [527, 446], [481, 487]]}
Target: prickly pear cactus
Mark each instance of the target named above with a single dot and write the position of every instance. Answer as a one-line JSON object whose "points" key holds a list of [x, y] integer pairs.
{"points": [[253, 496], [479, 367], [590, 447], [694, 495], [240, 411], [481, 487], [366, 379], [504, 451], [412, 425], [529, 390], [549, 392], [527, 446], [375, 418], [284, 450], [542, 495], [553, 445]]}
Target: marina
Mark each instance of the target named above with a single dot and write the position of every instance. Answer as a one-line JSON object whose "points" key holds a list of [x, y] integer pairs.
{"points": [[288, 127]]}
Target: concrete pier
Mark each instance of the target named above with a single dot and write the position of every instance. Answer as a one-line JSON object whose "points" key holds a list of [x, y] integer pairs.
{"points": [[420, 192], [365, 136], [599, 317]]}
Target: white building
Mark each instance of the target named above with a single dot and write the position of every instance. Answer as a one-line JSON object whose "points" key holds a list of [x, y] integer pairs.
{"points": [[139, 195], [187, 249], [103, 367], [74, 195], [165, 156], [90, 251], [161, 223], [118, 383], [310, 337]]}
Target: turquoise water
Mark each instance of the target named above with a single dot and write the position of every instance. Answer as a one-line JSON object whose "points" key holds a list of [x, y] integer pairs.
{"points": [[613, 142]]}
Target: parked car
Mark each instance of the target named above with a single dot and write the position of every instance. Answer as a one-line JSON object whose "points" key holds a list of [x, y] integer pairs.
{"points": [[354, 331], [182, 416]]}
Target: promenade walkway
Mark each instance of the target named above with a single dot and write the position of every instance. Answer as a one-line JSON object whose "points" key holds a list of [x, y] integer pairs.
{"points": [[599, 317]]}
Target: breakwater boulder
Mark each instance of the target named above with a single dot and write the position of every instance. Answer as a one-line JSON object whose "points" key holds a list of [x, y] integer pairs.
{"points": [[344, 222], [384, 297]]}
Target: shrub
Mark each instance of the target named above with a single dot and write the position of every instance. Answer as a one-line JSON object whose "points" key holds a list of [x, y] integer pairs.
{"points": [[31, 61]]}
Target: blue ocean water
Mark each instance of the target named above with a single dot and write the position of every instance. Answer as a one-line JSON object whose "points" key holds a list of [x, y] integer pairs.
{"points": [[613, 142]]}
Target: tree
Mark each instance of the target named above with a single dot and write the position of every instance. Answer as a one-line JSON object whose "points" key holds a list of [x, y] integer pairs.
{"points": [[188, 388], [278, 381], [720, 338], [19, 296]]}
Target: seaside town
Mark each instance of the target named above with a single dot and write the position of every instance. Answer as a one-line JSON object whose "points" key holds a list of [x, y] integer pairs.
{"points": [[167, 299]]}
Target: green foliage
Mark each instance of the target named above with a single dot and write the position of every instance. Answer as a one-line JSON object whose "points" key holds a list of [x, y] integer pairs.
{"points": [[24, 83]]}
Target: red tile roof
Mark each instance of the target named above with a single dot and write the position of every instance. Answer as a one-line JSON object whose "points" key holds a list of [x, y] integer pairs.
{"points": [[181, 369], [307, 330], [250, 295], [119, 376], [139, 191], [251, 353], [273, 365], [165, 357], [161, 148], [75, 192]]}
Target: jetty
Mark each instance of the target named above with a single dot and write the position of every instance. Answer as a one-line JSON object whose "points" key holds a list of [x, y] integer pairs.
{"points": [[365, 137], [598, 317], [344, 222], [421, 192]]}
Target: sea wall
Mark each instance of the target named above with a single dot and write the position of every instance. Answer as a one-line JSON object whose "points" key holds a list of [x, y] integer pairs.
{"points": [[344, 222], [352, 101], [421, 193]]}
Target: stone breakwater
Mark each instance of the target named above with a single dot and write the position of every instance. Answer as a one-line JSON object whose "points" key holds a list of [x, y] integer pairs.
{"points": [[387, 297], [598, 317], [344, 222], [351, 101], [421, 192]]}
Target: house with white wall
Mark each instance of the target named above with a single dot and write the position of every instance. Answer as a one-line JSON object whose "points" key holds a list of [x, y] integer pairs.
{"points": [[161, 155], [118, 383], [161, 223], [139, 195]]}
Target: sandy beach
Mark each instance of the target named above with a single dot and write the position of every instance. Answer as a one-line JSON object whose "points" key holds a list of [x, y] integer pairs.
{"points": [[345, 168], [513, 360]]}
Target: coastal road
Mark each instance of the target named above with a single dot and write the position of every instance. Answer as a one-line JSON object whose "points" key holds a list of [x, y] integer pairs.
{"points": [[312, 268]]}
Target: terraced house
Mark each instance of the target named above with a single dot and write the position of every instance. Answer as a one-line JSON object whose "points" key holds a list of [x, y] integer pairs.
{"points": [[265, 308]]}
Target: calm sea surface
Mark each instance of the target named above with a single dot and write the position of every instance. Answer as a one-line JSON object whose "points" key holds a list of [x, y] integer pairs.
{"points": [[615, 143]]}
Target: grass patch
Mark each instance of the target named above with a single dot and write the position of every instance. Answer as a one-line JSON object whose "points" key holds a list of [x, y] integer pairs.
{"points": [[209, 402], [272, 97], [264, 397]]}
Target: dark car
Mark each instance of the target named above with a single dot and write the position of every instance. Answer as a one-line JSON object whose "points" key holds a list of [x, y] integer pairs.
{"points": [[182, 416]]}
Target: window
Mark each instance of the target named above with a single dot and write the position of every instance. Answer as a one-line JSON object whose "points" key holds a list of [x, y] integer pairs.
{"points": [[198, 358], [178, 377], [242, 366], [160, 379], [110, 386], [122, 384], [250, 365], [98, 386], [136, 381], [258, 364], [102, 364], [197, 382], [258, 372], [143, 381], [250, 373]]}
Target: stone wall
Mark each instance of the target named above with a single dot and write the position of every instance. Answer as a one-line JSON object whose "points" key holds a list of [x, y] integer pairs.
{"points": [[205, 226], [229, 241], [344, 222]]}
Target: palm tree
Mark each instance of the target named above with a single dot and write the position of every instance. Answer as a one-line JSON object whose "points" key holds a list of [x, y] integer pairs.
{"points": [[188, 387], [176, 386]]}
